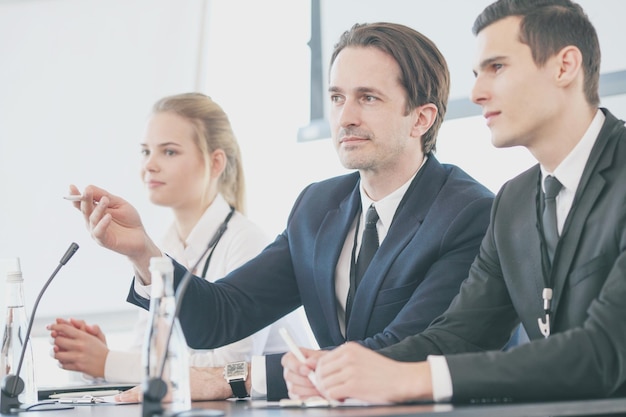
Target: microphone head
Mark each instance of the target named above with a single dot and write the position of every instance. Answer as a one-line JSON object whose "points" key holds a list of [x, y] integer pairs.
{"points": [[69, 253], [12, 386]]}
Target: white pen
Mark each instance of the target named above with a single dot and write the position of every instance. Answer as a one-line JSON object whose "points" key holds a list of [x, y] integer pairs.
{"points": [[296, 351], [73, 197], [84, 394]]}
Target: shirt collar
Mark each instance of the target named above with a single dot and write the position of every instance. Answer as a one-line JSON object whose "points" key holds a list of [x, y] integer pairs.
{"points": [[570, 170], [387, 206]]}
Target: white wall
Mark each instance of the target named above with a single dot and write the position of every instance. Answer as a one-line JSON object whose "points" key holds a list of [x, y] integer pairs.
{"points": [[77, 80]]}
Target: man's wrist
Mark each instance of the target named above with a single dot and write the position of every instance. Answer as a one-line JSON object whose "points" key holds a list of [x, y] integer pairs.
{"points": [[141, 264], [208, 383]]}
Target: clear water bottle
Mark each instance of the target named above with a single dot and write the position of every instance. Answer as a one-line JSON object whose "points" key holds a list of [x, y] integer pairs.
{"points": [[175, 373], [16, 325]]}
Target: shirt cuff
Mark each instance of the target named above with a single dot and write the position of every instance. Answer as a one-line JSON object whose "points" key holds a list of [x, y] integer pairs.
{"points": [[123, 366], [259, 379], [441, 380], [142, 290]]}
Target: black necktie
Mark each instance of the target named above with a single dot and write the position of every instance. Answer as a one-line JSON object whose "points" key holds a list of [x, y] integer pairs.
{"points": [[552, 186], [369, 245]]}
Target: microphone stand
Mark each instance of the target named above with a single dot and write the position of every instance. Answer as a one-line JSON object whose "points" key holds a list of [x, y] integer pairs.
{"points": [[155, 389], [12, 385]]}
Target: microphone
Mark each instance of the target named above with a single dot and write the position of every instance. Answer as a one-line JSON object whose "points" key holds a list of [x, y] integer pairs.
{"points": [[12, 385], [156, 388]]}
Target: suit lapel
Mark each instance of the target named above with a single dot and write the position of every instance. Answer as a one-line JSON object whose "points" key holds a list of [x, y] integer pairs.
{"points": [[520, 246], [328, 246], [408, 218], [591, 185]]}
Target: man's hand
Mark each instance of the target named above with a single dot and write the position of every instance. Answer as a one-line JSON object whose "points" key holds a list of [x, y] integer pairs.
{"points": [[296, 373], [116, 225], [133, 395], [206, 384], [354, 371]]}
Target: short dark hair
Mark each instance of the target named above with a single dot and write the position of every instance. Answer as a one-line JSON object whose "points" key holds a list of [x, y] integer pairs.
{"points": [[548, 26], [424, 71]]}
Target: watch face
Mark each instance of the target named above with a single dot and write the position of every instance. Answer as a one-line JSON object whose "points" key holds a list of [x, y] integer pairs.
{"points": [[237, 368]]}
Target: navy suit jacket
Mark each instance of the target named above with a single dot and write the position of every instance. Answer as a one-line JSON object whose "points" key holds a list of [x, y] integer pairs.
{"points": [[416, 272], [585, 356]]}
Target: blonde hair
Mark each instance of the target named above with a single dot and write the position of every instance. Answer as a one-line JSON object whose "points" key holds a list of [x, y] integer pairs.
{"points": [[213, 131]]}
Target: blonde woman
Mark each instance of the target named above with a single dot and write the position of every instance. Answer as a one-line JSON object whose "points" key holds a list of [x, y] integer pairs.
{"points": [[192, 164]]}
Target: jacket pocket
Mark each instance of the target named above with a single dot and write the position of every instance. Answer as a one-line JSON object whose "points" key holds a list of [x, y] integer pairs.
{"points": [[596, 266]]}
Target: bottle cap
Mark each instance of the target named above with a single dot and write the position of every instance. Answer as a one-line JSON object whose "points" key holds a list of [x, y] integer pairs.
{"points": [[8, 265], [158, 267], [161, 264], [14, 276]]}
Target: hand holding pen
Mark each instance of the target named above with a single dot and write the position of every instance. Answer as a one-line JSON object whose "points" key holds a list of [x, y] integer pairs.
{"points": [[116, 225], [300, 377]]}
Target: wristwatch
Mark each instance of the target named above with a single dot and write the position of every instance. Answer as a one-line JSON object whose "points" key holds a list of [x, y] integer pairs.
{"points": [[235, 374]]}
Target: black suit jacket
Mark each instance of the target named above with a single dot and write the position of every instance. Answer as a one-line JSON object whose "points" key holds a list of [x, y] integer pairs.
{"points": [[416, 272], [586, 354]]}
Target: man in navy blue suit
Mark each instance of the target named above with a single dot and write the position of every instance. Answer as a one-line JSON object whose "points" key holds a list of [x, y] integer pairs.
{"points": [[388, 93]]}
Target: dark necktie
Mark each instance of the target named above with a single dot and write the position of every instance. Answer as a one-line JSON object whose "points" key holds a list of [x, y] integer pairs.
{"points": [[552, 186], [369, 245]]}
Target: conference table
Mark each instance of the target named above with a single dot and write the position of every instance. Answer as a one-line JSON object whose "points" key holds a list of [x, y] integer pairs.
{"points": [[247, 408]]}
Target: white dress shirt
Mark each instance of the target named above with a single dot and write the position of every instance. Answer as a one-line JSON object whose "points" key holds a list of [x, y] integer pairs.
{"points": [[242, 241], [569, 173]]}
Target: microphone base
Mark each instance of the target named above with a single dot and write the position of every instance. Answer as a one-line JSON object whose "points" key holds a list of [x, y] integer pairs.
{"points": [[12, 387], [154, 391], [151, 408]]}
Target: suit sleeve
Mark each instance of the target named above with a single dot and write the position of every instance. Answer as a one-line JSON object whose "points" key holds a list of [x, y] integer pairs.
{"points": [[584, 361], [580, 361], [276, 386], [234, 307]]}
